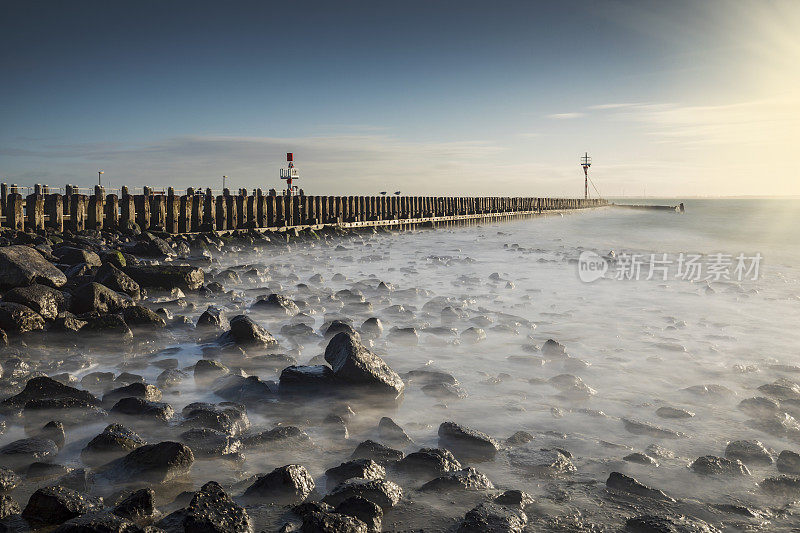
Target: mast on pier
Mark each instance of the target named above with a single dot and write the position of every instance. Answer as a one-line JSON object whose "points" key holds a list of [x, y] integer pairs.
{"points": [[586, 162], [290, 174]]}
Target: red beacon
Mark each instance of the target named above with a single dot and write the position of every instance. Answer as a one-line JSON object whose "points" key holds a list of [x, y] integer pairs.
{"points": [[289, 175]]}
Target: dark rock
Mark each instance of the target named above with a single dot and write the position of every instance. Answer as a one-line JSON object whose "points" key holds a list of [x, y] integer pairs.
{"points": [[156, 463], [788, 462], [138, 316], [760, 407], [382, 492], [321, 519], [230, 418], [54, 505], [307, 380], [8, 480], [97, 298], [621, 482], [206, 442], [336, 327], [139, 407], [383, 455], [673, 412], [208, 370], [360, 468], [108, 327], [389, 431], [171, 378], [372, 328], [244, 332], [362, 509], [711, 465], [516, 498], [78, 479], [22, 265], [750, 452], [47, 388], [643, 428], [493, 518], [444, 391], [8, 507], [137, 505], [17, 318], [277, 305], [788, 486], [279, 436], [466, 479], [21, 453], [284, 485], [213, 511], [42, 471], [640, 458], [46, 301], [117, 280], [115, 441], [651, 524], [134, 390], [519, 438], [213, 318], [353, 363], [98, 522], [467, 443], [69, 255], [553, 348], [166, 276], [429, 462], [543, 462], [53, 430], [249, 390]]}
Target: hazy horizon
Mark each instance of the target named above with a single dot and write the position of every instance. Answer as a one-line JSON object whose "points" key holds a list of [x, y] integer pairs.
{"points": [[673, 99]]}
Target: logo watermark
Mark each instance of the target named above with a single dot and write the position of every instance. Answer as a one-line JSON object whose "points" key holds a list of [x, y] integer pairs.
{"points": [[664, 267]]}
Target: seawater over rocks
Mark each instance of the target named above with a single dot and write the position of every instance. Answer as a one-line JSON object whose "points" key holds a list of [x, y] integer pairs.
{"points": [[359, 381]]}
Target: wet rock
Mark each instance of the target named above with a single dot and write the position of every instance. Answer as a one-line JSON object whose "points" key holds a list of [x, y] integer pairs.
{"points": [[69, 255], [276, 305], [98, 522], [277, 437], [515, 498], [473, 335], [149, 393], [21, 453], [781, 389], [643, 428], [167, 276], [357, 468], [249, 390], [284, 485], [78, 479], [8, 506], [46, 301], [22, 265], [383, 455], [542, 462], [444, 391], [788, 462], [136, 506], [492, 518], [213, 511], [39, 471], [213, 318], [640, 458], [467, 443], [651, 524], [425, 376], [244, 332], [307, 380], [43, 387], [673, 412], [8, 480], [372, 328], [354, 364], [759, 406], [17, 318], [115, 441], [711, 465], [54, 505], [96, 298], [140, 407], [381, 492], [362, 509], [171, 378], [155, 463], [519, 438], [108, 327], [207, 370], [710, 390], [320, 518], [553, 348], [788, 486], [206, 442], [138, 316], [389, 431], [117, 280], [230, 418], [572, 387], [53, 430], [750, 452], [464, 479], [429, 462], [404, 336], [621, 482]]}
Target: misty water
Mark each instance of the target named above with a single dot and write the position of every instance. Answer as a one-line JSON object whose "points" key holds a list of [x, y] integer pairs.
{"points": [[636, 345]]}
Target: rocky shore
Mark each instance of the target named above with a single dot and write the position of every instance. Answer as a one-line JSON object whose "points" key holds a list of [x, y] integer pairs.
{"points": [[152, 383]]}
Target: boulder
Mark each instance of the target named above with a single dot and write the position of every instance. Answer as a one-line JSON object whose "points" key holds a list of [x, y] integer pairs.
{"points": [[429, 462], [206, 442], [213, 511], [389, 431], [320, 518], [55, 505], [18, 318], [310, 380], [515, 498], [750, 452], [8, 480], [213, 318], [244, 332], [383, 455], [22, 265], [227, 417], [788, 462], [46, 301], [623, 483], [20, 453], [464, 479], [138, 505], [248, 390], [150, 393], [166, 276], [542, 462], [155, 463], [115, 441], [786, 486], [139, 316], [492, 518], [117, 280], [98, 522], [43, 387], [354, 364], [711, 465], [356, 468], [207, 370], [284, 485], [108, 327], [96, 298], [139, 407], [381, 492], [8, 507], [362, 509], [281, 436], [466, 443], [276, 304]]}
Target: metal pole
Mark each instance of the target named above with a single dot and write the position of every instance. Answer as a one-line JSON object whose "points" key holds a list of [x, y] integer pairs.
{"points": [[99, 182]]}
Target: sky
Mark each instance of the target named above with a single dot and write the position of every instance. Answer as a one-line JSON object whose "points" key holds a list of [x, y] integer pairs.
{"points": [[678, 98]]}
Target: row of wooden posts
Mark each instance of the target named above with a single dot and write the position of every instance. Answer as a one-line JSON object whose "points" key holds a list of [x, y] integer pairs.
{"points": [[203, 211]]}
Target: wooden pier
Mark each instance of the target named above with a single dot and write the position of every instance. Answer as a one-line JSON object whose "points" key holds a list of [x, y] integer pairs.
{"points": [[204, 211]]}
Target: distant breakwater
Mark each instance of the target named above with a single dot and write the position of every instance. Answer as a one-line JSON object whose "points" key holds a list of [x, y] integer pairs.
{"points": [[203, 211]]}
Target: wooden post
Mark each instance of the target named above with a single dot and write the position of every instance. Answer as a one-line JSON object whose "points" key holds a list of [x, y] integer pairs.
{"points": [[173, 213], [296, 211], [111, 211], [251, 202], [222, 212], [127, 210], [54, 209], [271, 210], [15, 217], [34, 207], [96, 205], [142, 204], [78, 204]]}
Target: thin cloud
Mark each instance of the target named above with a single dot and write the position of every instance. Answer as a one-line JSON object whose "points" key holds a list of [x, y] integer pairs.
{"points": [[565, 116]]}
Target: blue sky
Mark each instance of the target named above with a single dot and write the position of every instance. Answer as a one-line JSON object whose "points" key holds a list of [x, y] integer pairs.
{"points": [[671, 98]]}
